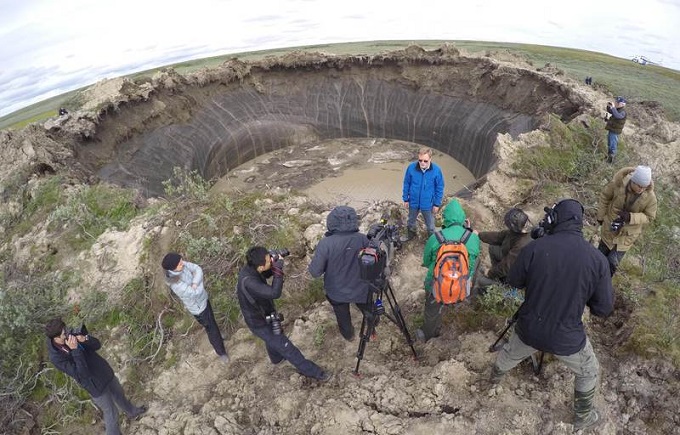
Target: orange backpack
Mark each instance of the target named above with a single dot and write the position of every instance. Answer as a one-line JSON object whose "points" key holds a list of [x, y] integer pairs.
{"points": [[452, 280]]}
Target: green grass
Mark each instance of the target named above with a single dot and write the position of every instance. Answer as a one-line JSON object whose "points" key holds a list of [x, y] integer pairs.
{"points": [[617, 75]]}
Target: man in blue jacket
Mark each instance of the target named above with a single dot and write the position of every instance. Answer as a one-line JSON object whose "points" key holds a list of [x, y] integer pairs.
{"points": [[562, 273], [423, 191], [76, 355]]}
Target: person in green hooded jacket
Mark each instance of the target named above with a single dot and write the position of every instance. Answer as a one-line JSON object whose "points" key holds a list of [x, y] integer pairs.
{"points": [[453, 228]]}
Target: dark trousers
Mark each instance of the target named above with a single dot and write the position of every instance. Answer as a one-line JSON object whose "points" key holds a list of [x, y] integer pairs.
{"points": [[432, 316], [614, 257], [207, 320], [109, 402], [344, 317], [279, 347]]}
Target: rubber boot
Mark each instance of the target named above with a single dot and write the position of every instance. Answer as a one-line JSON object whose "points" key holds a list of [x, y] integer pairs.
{"points": [[496, 375], [610, 158], [585, 413]]}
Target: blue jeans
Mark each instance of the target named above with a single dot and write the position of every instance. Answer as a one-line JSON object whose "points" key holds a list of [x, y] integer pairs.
{"points": [[427, 215], [612, 142]]}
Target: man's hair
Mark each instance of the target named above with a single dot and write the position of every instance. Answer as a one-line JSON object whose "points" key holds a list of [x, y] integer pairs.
{"points": [[425, 150], [54, 327], [257, 256]]}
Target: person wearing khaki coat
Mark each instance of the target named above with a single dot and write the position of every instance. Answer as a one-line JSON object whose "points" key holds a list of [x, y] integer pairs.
{"points": [[626, 204]]}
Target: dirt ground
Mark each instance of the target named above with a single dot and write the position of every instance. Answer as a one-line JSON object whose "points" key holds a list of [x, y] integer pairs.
{"points": [[442, 392]]}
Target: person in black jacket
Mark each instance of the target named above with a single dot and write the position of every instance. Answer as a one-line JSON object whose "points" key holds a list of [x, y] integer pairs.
{"points": [[562, 273], [256, 298], [76, 355], [335, 257]]}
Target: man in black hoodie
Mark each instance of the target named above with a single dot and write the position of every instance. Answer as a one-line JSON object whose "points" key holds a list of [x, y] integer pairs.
{"points": [[562, 273], [76, 355], [336, 257], [256, 298]]}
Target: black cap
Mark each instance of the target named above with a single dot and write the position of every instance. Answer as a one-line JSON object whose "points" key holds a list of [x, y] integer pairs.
{"points": [[171, 260]]}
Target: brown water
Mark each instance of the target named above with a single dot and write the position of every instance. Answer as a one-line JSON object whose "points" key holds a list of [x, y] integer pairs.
{"points": [[353, 172]]}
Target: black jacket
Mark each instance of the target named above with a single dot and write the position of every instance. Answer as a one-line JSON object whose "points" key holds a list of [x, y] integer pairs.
{"points": [[261, 293], [91, 371], [562, 273], [336, 257]]}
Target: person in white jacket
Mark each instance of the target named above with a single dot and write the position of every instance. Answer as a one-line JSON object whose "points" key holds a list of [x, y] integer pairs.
{"points": [[185, 279]]}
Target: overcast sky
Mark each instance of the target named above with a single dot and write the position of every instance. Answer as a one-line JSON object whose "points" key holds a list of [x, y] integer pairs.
{"points": [[48, 47]]}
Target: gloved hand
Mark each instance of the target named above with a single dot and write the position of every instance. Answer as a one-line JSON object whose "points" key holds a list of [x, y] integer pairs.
{"points": [[277, 267], [625, 216]]}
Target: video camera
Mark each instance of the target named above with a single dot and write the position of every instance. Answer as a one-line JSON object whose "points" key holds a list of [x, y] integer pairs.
{"points": [[373, 259], [279, 253], [81, 330]]}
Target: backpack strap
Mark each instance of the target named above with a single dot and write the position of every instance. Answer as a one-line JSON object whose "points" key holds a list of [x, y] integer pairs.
{"points": [[440, 236], [466, 236]]}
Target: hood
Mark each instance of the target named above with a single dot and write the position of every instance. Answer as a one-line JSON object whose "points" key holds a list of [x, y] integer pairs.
{"points": [[453, 214], [569, 216], [623, 176], [172, 275], [342, 219]]}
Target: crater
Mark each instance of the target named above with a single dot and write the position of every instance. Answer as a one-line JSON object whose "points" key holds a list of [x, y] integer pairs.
{"points": [[216, 120]]}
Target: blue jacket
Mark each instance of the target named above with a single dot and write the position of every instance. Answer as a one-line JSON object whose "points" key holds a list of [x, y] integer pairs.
{"points": [[423, 190]]}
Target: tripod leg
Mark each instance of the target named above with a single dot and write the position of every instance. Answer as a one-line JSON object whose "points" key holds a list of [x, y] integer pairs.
{"points": [[398, 318], [367, 327]]}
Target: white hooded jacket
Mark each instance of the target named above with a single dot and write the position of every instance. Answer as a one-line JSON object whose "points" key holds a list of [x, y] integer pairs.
{"points": [[181, 283]]}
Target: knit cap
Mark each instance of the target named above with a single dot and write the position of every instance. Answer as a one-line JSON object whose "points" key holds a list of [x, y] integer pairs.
{"points": [[642, 176], [171, 260]]}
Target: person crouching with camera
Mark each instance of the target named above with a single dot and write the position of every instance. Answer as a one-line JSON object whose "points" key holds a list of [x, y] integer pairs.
{"points": [[74, 352], [256, 298]]}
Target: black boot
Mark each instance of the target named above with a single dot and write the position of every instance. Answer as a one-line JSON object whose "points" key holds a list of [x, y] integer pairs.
{"points": [[585, 414], [610, 158], [411, 234], [496, 375]]}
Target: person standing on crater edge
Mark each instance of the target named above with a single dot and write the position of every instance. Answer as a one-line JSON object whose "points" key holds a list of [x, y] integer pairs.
{"points": [[423, 191]]}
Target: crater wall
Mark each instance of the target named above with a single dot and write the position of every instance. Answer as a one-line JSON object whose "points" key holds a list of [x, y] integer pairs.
{"points": [[458, 110]]}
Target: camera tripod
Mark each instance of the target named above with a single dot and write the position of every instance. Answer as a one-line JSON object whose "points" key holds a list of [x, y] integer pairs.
{"points": [[536, 360], [382, 289]]}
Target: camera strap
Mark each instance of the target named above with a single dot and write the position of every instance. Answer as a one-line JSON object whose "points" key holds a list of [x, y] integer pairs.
{"points": [[241, 286]]}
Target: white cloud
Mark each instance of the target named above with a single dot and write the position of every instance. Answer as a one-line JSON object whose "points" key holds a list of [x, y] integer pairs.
{"points": [[49, 44]]}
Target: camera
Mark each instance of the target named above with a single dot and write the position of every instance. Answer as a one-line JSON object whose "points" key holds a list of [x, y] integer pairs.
{"points": [[81, 330], [539, 231], [279, 253], [274, 319], [616, 225]]}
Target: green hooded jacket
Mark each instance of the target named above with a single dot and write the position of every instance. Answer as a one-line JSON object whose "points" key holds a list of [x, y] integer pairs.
{"points": [[452, 229]]}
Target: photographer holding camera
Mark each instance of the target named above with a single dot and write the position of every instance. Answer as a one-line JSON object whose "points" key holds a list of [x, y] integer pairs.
{"points": [[74, 353], [626, 204], [615, 119], [335, 257], [256, 299]]}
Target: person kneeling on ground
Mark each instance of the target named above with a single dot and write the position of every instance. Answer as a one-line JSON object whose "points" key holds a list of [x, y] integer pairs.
{"points": [[256, 299], [335, 258], [561, 274], [452, 229], [504, 247]]}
